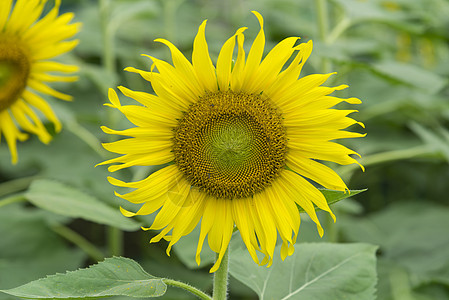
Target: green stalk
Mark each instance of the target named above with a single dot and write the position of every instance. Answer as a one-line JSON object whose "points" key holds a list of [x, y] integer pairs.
{"points": [[326, 66], [86, 136], [78, 240], [115, 235], [169, 19], [12, 199], [221, 278], [200, 294], [332, 229], [323, 27], [16, 185], [108, 36], [388, 156], [115, 241]]}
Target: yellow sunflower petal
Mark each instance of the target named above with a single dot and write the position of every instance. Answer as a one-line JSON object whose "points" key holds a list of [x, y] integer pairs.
{"points": [[188, 217], [206, 224], [237, 72], [28, 36], [316, 171], [29, 121], [202, 63], [290, 75], [245, 224], [4, 12], [151, 101], [224, 61], [181, 64], [175, 198], [11, 133], [265, 225], [44, 107], [30, 8], [45, 89], [221, 231], [265, 74], [176, 84], [255, 53]]}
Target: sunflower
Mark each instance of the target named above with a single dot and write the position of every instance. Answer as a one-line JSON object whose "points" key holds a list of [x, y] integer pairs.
{"points": [[26, 45], [239, 144]]}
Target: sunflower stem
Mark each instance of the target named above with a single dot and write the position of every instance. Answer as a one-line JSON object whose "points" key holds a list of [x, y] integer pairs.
{"points": [[16, 185], [12, 199], [387, 156], [200, 294], [86, 136], [221, 278], [323, 29], [115, 241], [332, 230], [108, 36], [79, 240], [169, 18], [115, 235]]}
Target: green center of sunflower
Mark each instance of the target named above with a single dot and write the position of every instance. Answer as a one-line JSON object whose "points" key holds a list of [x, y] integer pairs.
{"points": [[230, 145], [14, 71]]}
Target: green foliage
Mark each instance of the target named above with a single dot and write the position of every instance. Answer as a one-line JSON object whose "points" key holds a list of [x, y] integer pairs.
{"points": [[314, 271], [333, 197], [413, 244], [410, 75], [30, 249], [115, 276], [68, 201], [392, 54]]}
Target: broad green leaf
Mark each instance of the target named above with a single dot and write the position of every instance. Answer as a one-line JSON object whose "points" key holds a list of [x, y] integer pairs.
{"points": [[67, 160], [117, 276], [314, 271], [410, 75], [368, 11], [335, 196], [69, 201], [376, 11], [411, 235], [18, 271], [130, 10]]}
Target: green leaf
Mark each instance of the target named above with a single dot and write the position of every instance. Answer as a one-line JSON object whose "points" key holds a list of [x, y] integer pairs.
{"points": [[368, 11], [314, 271], [117, 276], [411, 235], [335, 196], [68, 201], [410, 75]]}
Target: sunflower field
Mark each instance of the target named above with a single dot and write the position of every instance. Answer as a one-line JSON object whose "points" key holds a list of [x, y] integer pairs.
{"points": [[224, 149]]}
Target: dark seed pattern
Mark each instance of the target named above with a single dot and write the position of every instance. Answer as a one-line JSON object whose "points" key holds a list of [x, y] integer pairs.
{"points": [[14, 69], [230, 145]]}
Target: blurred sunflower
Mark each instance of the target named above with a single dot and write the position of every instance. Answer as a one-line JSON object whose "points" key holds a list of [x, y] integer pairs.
{"points": [[26, 44], [239, 142]]}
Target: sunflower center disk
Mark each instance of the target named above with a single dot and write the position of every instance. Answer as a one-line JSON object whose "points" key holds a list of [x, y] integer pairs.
{"points": [[14, 71], [230, 145]]}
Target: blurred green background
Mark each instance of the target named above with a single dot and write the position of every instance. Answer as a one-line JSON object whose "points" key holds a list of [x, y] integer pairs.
{"points": [[394, 55]]}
